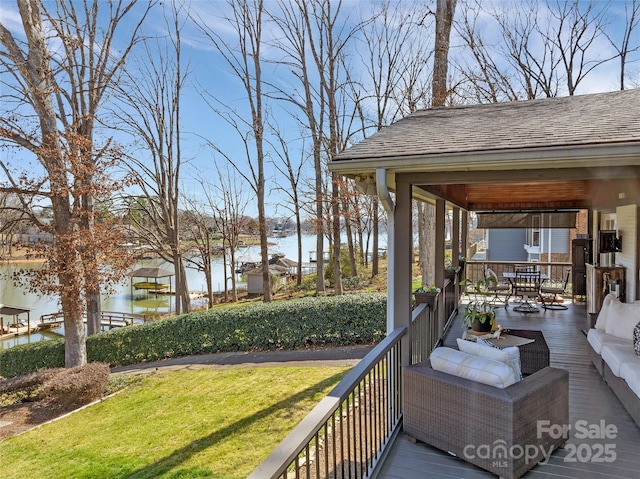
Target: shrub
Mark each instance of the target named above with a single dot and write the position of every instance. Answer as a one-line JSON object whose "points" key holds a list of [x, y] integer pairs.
{"points": [[25, 388], [28, 358], [355, 283], [311, 321], [75, 387], [308, 283]]}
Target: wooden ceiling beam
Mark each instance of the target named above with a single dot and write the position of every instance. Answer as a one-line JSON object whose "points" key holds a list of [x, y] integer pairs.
{"points": [[522, 175]]}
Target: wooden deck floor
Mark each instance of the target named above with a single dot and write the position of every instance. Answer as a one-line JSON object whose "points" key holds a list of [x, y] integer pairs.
{"points": [[590, 400]]}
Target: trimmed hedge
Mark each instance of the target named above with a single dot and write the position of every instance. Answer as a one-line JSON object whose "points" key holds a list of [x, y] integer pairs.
{"points": [[312, 321]]}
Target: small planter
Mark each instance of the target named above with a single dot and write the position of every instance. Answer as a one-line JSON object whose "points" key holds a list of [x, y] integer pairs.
{"points": [[428, 298], [450, 273]]}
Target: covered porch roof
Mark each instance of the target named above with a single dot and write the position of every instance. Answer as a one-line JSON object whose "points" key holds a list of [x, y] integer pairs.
{"points": [[556, 153]]}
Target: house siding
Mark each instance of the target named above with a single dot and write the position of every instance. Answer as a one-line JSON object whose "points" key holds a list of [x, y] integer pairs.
{"points": [[560, 245], [506, 245]]}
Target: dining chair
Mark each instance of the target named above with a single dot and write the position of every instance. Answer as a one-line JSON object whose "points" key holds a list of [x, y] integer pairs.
{"points": [[526, 285], [501, 289], [553, 289]]}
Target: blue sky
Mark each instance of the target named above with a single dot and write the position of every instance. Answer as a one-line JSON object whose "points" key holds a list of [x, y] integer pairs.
{"points": [[209, 73]]}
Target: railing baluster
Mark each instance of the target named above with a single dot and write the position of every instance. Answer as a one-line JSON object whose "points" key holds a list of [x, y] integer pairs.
{"points": [[361, 435]]}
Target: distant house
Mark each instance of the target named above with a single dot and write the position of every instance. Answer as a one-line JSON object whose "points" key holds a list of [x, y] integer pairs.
{"points": [[280, 270], [537, 243]]}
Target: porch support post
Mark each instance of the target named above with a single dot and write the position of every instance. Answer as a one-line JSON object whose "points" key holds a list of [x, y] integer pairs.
{"points": [[455, 237], [464, 237], [389, 207], [637, 260], [402, 253], [455, 245], [439, 256]]}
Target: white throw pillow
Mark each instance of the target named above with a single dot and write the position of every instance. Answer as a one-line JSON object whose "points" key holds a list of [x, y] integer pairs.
{"points": [[509, 356], [622, 318], [601, 322], [474, 368]]}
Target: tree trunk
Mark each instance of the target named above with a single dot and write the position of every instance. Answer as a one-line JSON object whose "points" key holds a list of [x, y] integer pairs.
{"points": [[94, 313], [352, 251], [335, 197], [299, 238], [183, 297], [232, 272], [444, 18], [225, 265], [375, 261], [264, 252]]}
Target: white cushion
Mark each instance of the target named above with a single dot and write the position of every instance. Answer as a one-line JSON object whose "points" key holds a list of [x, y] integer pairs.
{"points": [[615, 355], [472, 367], [510, 356], [598, 338], [622, 318], [630, 372], [601, 322]]}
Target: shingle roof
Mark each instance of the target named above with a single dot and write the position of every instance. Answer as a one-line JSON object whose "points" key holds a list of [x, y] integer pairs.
{"points": [[602, 118]]}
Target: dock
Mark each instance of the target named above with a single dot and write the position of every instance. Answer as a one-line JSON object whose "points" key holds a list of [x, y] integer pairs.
{"points": [[109, 320], [17, 326]]}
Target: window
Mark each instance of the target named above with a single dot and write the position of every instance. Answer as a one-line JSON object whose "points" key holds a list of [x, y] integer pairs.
{"points": [[534, 233]]}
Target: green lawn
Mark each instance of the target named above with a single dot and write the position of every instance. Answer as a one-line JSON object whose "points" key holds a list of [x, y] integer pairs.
{"points": [[181, 424]]}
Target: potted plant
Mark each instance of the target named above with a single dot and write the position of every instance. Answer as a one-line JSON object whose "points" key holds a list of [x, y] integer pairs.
{"points": [[426, 294], [480, 314]]}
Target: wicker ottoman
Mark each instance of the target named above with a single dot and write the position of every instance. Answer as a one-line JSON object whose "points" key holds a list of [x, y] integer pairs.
{"points": [[533, 356]]}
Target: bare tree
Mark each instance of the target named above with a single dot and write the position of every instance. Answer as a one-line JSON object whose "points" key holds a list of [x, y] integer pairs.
{"points": [[328, 38], [397, 55], [294, 44], [51, 99], [243, 56], [200, 234], [151, 112], [444, 14], [488, 77], [292, 170], [215, 226], [12, 219], [550, 48], [577, 27], [229, 216], [632, 19]]}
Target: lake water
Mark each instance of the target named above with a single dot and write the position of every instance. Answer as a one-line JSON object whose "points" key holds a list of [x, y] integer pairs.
{"points": [[125, 299]]}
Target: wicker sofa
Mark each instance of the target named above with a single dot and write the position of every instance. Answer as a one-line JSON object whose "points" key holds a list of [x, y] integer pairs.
{"points": [[470, 419], [612, 351]]}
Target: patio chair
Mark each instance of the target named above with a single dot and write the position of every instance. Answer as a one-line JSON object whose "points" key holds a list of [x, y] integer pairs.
{"points": [[526, 285], [553, 288], [501, 289]]}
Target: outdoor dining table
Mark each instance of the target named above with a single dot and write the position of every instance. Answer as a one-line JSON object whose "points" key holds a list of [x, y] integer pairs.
{"points": [[526, 289], [511, 276]]}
